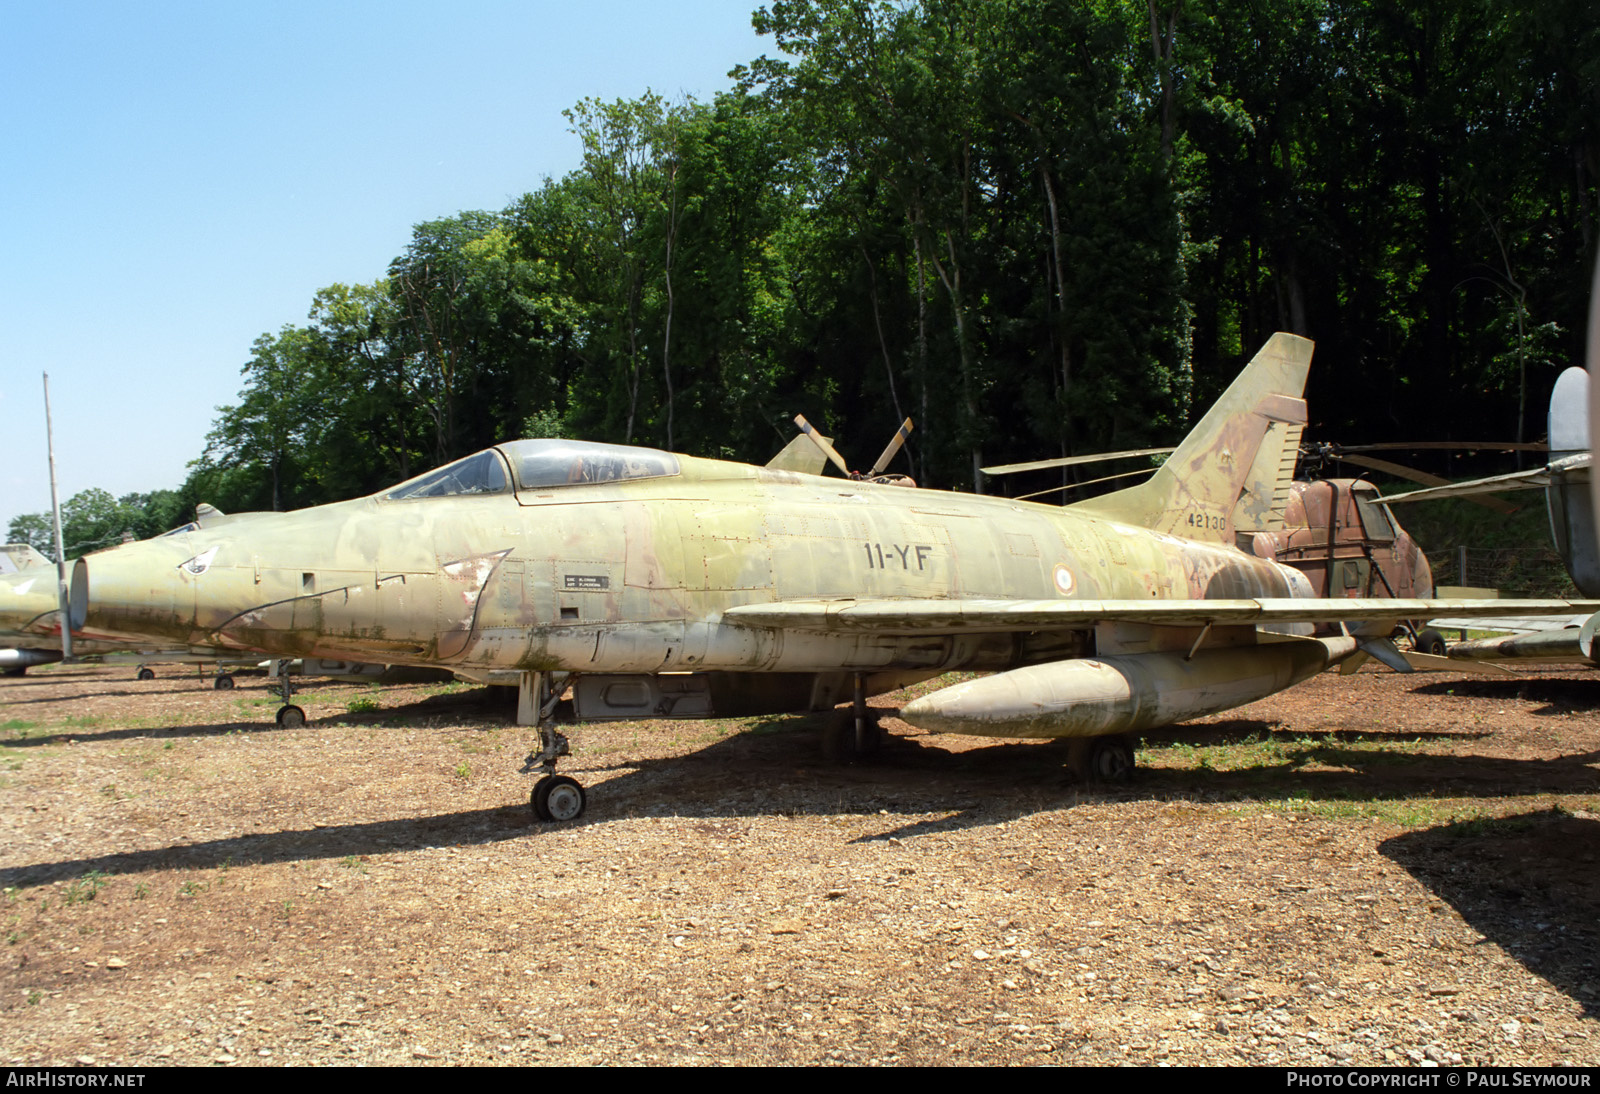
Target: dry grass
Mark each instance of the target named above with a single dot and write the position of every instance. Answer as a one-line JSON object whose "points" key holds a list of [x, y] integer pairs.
{"points": [[1367, 870]]}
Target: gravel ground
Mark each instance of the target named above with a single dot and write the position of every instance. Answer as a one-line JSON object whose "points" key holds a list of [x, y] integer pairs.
{"points": [[1366, 870]]}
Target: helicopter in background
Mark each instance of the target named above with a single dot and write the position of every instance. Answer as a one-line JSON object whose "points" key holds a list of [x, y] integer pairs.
{"points": [[1338, 531]]}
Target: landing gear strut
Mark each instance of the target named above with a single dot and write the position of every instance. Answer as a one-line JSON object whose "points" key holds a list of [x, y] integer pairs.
{"points": [[289, 715], [555, 797], [849, 734], [843, 743]]}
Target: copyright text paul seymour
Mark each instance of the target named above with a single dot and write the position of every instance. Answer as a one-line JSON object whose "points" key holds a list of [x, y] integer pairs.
{"points": [[1466, 1078]]}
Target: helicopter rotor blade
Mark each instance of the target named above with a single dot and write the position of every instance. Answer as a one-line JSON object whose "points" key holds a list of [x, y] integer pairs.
{"points": [[1445, 446], [891, 449], [821, 442], [1090, 482], [1412, 474], [1070, 461]]}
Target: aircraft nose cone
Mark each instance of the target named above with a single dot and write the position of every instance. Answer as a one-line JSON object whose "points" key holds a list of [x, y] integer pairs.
{"points": [[140, 590]]}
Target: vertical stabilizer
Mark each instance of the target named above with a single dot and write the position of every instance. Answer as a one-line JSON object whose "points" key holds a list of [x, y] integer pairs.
{"points": [[20, 556], [1230, 471], [800, 454]]}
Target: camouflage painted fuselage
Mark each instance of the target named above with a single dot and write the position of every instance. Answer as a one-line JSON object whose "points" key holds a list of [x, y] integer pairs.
{"points": [[634, 576]]}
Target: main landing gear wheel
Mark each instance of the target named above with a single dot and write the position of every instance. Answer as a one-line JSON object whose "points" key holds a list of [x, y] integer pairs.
{"points": [[1106, 760], [1432, 642], [223, 682], [146, 674], [839, 744], [557, 798], [291, 717]]}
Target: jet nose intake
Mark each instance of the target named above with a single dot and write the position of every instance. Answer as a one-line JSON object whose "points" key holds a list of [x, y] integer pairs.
{"points": [[138, 591]]}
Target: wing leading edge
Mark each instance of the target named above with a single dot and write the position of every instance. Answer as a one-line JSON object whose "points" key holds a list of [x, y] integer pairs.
{"points": [[912, 617]]}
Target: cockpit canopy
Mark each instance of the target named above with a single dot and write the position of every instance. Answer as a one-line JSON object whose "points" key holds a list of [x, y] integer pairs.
{"points": [[481, 473], [537, 465]]}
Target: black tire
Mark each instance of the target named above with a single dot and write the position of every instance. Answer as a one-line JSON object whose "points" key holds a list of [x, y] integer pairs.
{"points": [[291, 717], [1431, 642], [223, 682], [1111, 760], [1104, 761], [557, 798], [146, 674]]}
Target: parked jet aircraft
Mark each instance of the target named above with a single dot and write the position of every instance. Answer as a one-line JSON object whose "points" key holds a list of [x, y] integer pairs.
{"points": [[28, 589], [30, 629], [1565, 481], [656, 583]]}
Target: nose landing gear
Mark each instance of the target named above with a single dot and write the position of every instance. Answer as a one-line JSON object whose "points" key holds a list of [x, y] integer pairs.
{"points": [[289, 715], [555, 797]]}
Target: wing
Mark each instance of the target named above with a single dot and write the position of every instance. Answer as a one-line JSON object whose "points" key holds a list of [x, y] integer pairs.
{"points": [[1515, 624], [1567, 639], [910, 617]]}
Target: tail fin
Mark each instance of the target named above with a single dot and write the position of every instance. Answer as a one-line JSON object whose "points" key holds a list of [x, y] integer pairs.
{"points": [[1229, 471], [800, 454], [20, 556]]}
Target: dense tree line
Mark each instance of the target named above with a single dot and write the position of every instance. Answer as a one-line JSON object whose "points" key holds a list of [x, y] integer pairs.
{"points": [[1038, 227]]}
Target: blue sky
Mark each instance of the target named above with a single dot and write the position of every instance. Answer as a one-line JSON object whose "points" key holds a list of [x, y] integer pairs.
{"points": [[178, 179]]}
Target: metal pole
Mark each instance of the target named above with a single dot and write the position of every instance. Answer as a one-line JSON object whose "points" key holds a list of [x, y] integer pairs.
{"points": [[63, 603]]}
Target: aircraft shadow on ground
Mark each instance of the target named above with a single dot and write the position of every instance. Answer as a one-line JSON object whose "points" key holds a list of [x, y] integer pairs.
{"points": [[1321, 766], [1527, 883], [294, 845], [1235, 731], [1560, 695], [133, 691], [775, 768], [450, 707]]}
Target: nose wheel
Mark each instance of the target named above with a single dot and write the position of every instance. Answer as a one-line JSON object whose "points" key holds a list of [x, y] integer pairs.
{"points": [[557, 798]]}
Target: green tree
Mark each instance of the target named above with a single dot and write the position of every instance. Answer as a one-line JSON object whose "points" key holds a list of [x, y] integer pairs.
{"points": [[266, 432]]}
